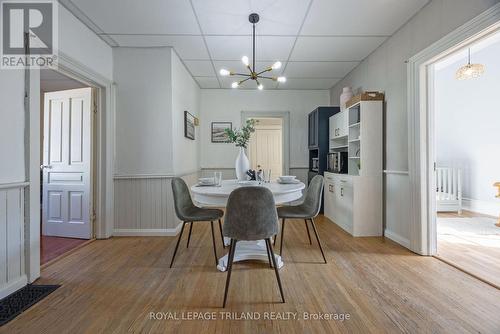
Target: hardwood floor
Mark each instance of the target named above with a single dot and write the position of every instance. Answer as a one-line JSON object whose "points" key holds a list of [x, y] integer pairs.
{"points": [[52, 247], [112, 286], [477, 255]]}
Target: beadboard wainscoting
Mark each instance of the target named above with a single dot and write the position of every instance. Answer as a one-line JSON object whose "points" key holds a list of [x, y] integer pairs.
{"points": [[144, 205], [12, 265]]}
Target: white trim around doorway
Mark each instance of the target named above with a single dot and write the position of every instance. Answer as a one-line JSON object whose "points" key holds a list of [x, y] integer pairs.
{"points": [[420, 125], [285, 116], [104, 153]]}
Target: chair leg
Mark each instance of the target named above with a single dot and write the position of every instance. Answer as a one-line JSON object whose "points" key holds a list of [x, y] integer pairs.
{"points": [[232, 247], [308, 234], [213, 242], [276, 270], [177, 245], [275, 238], [221, 235], [189, 235], [282, 236], [269, 256], [317, 238]]}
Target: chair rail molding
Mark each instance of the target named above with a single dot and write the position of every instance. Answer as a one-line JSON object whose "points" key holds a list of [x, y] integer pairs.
{"points": [[420, 124]]}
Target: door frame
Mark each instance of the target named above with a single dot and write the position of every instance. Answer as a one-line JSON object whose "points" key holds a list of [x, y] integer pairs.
{"points": [[104, 148], [423, 238], [285, 117]]}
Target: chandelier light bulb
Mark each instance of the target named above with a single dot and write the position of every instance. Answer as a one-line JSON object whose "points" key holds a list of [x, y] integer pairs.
{"points": [[281, 79], [224, 72], [276, 65], [235, 84], [260, 87], [245, 60]]}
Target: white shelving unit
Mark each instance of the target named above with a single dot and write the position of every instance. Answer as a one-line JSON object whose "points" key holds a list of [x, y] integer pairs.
{"points": [[354, 200]]}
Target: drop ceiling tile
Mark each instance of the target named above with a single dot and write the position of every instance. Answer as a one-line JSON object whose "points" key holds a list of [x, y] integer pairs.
{"points": [[188, 47], [200, 68], [293, 83], [335, 48], [234, 47], [359, 17], [207, 82], [319, 69], [230, 17], [141, 17]]}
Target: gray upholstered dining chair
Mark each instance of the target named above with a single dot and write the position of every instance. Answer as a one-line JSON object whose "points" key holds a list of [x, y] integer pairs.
{"points": [[307, 210], [189, 213], [251, 215]]}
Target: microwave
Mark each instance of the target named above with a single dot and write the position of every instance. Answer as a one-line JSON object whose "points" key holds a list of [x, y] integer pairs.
{"points": [[337, 162]]}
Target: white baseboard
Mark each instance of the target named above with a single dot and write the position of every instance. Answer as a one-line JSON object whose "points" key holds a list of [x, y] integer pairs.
{"points": [[13, 286], [397, 238], [484, 207], [148, 232]]}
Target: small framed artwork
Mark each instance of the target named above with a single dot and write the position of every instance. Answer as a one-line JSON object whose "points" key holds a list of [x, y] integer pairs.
{"points": [[188, 125], [219, 131]]}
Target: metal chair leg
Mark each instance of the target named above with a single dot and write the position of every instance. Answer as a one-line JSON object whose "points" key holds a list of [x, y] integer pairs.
{"points": [[232, 247], [213, 242], [276, 270], [275, 238], [282, 236], [189, 235], [269, 256], [317, 238], [177, 245], [221, 235], [308, 234]]}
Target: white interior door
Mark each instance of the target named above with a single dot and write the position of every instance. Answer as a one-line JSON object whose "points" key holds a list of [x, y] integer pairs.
{"points": [[67, 164], [266, 149]]}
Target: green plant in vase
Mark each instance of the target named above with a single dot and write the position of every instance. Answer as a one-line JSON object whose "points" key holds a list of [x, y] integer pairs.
{"points": [[241, 138]]}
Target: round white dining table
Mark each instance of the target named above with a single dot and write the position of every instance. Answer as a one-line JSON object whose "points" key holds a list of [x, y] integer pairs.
{"points": [[217, 196]]}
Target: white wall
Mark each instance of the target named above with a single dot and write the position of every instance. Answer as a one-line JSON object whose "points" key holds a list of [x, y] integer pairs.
{"points": [[223, 105], [186, 95], [468, 123], [385, 70], [143, 111], [81, 44]]}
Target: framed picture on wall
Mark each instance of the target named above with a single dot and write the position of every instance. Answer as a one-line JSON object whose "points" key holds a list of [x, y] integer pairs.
{"points": [[188, 125], [218, 131]]}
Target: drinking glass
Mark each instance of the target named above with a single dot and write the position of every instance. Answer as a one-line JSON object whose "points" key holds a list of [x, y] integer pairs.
{"points": [[267, 176], [218, 178]]}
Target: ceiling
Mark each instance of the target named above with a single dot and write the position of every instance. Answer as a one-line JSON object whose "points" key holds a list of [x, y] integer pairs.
{"points": [[318, 41]]}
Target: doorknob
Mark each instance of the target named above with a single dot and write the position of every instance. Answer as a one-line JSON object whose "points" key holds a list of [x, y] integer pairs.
{"points": [[45, 167]]}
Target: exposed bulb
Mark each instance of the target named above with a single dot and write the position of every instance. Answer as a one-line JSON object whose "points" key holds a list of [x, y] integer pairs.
{"points": [[224, 72], [245, 60], [276, 65], [260, 87], [235, 84], [281, 79]]}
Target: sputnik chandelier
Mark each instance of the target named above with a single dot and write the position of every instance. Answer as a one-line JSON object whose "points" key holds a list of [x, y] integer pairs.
{"points": [[253, 75]]}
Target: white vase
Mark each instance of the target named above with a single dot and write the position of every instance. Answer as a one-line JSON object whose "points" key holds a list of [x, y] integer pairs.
{"points": [[242, 165], [345, 96]]}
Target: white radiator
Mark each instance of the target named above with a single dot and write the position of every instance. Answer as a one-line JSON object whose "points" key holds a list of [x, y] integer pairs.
{"points": [[448, 189]]}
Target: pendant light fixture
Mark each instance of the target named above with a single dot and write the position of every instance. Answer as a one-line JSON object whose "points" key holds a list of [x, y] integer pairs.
{"points": [[253, 74], [469, 71]]}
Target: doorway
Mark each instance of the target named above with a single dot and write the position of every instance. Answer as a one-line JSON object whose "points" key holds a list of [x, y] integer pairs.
{"points": [[66, 171], [465, 139], [265, 149]]}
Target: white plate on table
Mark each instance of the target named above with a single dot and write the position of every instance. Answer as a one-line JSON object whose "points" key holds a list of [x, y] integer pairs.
{"points": [[292, 181]]}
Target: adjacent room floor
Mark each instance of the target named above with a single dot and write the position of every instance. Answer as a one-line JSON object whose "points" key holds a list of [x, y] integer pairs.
{"points": [[471, 242], [53, 247], [113, 286]]}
